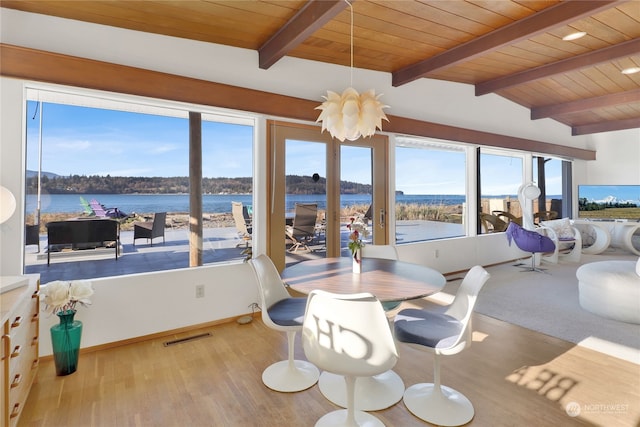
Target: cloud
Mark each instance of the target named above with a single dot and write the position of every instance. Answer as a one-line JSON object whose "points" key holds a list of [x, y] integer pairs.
{"points": [[164, 148], [83, 145]]}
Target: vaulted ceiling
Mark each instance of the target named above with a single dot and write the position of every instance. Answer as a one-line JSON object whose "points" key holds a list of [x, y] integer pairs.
{"points": [[514, 49]]}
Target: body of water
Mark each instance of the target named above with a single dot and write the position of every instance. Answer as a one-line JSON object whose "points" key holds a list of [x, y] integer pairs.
{"points": [[218, 203]]}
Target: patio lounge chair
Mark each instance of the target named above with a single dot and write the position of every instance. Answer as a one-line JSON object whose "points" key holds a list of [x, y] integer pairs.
{"points": [[492, 224], [368, 215], [150, 229], [242, 220], [101, 212], [303, 229], [86, 207], [507, 217]]}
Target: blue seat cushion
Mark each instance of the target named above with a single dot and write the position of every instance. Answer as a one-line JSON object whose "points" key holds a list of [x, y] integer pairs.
{"points": [[288, 312], [435, 330]]}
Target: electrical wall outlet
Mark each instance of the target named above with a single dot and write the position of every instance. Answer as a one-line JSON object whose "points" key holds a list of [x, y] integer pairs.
{"points": [[199, 291]]}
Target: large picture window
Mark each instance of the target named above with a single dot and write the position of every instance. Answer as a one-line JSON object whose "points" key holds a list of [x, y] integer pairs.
{"points": [[430, 196], [92, 159], [500, 177], [553, 177]]}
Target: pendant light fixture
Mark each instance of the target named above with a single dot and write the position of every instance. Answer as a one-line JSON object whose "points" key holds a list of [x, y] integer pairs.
{"points": [[351, 115]]}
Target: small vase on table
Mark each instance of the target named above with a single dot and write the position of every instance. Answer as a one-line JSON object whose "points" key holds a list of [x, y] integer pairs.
{"points": [[357, 262]]}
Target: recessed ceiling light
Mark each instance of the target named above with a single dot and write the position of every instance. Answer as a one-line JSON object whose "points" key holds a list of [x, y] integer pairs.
{"points": [[631, 70], [574, 36]]}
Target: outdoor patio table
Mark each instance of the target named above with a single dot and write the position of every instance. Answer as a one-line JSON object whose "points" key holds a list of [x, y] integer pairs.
{"points": [[390, 281]]}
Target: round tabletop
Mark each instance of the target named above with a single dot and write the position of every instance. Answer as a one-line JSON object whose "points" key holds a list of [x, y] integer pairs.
{"points": [[388, 280]]}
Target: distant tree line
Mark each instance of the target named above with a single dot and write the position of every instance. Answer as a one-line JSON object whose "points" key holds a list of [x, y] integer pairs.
{"points": [[97, 184], [585, 205]]}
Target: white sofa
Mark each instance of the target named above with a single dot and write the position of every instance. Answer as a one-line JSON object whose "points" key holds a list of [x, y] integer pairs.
{"points": [[611, 289]]}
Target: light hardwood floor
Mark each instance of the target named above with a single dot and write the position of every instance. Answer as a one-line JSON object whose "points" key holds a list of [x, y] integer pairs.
{"points": [[513, 376]]}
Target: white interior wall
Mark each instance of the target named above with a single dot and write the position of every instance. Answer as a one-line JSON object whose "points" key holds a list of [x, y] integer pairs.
{"points": [[617, 159], [12, 173], [126, 307]]}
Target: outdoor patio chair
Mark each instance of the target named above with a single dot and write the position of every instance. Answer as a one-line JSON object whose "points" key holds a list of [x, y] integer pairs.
{"points": [[544, 216], [491, 223], [368, 215], [507, 217], [242, 220], [88, 211], [150, 229], [101, 212], [32, 235], [303, 229]]}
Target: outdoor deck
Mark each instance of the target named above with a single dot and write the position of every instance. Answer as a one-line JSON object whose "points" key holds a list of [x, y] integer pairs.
{"points": [[220, 245]]}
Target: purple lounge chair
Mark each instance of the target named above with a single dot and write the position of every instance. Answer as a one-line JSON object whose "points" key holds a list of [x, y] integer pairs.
{"points": [[529, 241], [101, 212]]}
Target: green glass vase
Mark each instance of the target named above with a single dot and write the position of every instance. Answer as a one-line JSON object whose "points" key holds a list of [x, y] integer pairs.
{"points": [[65, 339]]}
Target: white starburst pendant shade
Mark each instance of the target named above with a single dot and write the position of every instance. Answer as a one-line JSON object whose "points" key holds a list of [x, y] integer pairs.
{"points": [[351, 115]]}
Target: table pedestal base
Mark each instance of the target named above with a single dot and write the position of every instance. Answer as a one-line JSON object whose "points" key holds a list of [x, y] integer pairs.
{"points": [[372, 393]]}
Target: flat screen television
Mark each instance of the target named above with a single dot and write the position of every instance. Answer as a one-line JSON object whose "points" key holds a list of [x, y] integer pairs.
{"points": [[609, 202]]}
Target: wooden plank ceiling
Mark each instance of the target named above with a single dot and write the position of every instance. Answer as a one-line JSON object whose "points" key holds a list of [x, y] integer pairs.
{"points": [[514, 49]]}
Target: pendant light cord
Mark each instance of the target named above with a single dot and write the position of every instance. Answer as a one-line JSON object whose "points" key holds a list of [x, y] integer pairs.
{"points": [[351, 39]]}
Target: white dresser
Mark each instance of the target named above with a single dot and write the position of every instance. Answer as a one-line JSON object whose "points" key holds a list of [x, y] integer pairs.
{"points": [[19, 303]]}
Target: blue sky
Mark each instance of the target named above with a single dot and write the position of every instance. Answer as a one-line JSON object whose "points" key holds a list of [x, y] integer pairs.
{"points": [[602, 192], [88, 141]]}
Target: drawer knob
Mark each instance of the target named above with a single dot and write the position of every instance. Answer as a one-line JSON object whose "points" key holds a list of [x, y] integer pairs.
{"points": [[16, 411], [16, 351], [16, 322], [16, 381]]}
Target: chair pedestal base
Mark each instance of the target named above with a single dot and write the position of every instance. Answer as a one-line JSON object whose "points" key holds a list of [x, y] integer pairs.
{"points": [[444, 407], [339, 419], [281, 376], [372, 393], [534, 267]]}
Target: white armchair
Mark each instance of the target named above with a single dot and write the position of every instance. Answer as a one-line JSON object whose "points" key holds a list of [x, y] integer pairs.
{"points": [[566, 237]]}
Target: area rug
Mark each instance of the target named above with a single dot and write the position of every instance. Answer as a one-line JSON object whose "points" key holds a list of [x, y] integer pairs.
{"points": [[548, 303]]}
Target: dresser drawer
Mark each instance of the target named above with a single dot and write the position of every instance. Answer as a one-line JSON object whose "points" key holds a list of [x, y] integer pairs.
{"points": [[21, 317], [23, 333], [19, 386]]}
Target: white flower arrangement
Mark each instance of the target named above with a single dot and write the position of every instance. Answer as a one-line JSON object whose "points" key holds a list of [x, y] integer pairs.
{"points": [[60, 296], [357, 231]]}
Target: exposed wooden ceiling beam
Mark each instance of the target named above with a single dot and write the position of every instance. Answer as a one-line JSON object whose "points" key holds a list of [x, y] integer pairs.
{"points": [[313, 16], [585, 104], [605, 127], [560, 14], [628, 48]]}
